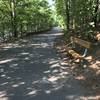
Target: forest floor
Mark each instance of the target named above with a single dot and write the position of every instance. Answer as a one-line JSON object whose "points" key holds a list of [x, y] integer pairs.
{"points": [[32, 69], [87, 72]]}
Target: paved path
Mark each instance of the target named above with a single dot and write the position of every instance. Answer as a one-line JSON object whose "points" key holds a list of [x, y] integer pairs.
{"points": [[32, 70]]}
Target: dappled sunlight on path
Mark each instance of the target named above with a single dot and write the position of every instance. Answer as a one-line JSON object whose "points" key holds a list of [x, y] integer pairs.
{"points": [[31, 69]]}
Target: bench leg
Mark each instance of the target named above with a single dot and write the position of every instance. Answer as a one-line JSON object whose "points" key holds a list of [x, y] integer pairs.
{"points": [[85, 53], [84, 63]]}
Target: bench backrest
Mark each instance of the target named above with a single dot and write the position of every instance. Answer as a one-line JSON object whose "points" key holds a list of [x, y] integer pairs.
{"points": [[81, 42]]}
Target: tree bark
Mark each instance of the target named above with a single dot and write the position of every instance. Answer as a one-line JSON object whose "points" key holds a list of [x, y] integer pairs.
{"points": [[96, 10], [67, 15], [13, 18]]}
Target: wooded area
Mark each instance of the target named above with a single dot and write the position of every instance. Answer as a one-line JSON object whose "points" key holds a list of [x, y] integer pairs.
{"points": [[79, 16], [80, 20], [20, 17], [49, 49]]}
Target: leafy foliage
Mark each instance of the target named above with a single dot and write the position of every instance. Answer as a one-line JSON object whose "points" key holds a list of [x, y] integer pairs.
{"points": [[79, 14], [18, 17]]}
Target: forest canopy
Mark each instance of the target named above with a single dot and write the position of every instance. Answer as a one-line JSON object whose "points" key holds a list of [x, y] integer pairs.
{"points": [[18, 17], [83, 15]]}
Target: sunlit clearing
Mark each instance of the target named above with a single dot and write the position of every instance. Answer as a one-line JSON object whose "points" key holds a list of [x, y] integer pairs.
{"points": [[26, 58], [64, 73], [3, 95], [55, 71], [3, 75], [7, 47], [92, 98], [35, 82], [58, 87], [47, 91], [13, 65], [80, 77], [55, 65], [64, 67], [17, 85], [25, 53], [53, 79], [46, 72], [11, 45], [5, 61], [21, 83], [55, 34], [41, 45], [74, 97], [98, 62], [64, 63], [34, 92], [52, 62], [4, 83]]}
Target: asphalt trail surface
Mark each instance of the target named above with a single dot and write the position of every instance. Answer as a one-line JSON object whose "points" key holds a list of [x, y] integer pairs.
{"points": [[31, 69]]}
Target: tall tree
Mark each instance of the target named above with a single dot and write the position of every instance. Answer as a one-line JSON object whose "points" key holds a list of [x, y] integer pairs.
{"points": [[19, 17], [96, 12]]}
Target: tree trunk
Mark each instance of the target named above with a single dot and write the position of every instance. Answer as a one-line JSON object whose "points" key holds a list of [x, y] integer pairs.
{"points": [[96, 10], [13, 18], [3, 33], [67, 15]]}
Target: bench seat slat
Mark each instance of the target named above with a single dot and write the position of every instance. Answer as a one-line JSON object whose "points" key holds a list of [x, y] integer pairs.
{"points": [[74, 54], [82, 42]]}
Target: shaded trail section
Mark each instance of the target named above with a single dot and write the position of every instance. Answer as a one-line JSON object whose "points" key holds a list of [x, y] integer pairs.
{"points": [[31, 69]]}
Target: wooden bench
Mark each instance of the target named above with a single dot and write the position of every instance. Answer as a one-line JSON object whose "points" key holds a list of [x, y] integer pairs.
{"points": [[87, 45]]}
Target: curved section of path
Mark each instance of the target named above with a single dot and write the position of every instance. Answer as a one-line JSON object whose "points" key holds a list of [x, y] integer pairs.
{"points": [[32, 70]]}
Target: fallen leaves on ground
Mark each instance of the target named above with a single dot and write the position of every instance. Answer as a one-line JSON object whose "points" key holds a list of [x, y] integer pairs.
{"points": [[90, 74]]}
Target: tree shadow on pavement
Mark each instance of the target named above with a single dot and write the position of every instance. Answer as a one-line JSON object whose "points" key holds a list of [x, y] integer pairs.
{"points": [[34, 71]]}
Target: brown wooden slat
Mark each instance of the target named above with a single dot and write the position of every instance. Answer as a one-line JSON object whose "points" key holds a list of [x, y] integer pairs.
{"points": [[74, 54], [82, 42]]}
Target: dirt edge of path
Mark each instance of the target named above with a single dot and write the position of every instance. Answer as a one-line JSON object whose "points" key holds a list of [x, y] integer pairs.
{"points": [[88, 73]]}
